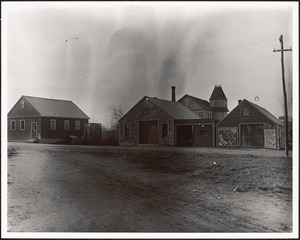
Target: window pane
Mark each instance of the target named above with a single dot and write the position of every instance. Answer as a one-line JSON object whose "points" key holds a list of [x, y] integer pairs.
{"points": [[164, 129], [77, 125], [127, 130], [53, 124], [22, 124], [66, 125], [13, 124]]}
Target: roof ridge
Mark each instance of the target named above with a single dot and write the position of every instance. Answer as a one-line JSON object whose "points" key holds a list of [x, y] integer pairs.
{"points": [[26, 96]]}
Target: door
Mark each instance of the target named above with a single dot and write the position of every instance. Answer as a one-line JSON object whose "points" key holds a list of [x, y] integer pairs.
{"points": [[34, 130], [252, 135], [148, 132], [184, 135]]}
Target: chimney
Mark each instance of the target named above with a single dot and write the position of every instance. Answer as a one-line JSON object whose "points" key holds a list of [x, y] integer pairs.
{"points": [[173, 94], [239, 101]]}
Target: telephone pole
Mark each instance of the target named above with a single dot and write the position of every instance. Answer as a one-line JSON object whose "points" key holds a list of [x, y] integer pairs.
{"points": [[284, 94]]}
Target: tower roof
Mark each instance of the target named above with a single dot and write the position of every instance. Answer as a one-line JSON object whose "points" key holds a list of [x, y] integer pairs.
{"points": [[218, 94]]}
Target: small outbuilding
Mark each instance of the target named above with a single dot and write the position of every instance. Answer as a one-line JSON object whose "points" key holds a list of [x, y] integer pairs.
{"points": [[250, 126], [45, 120]]}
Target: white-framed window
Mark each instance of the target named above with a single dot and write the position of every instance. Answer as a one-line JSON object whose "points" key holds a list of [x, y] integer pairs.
{"points": [[13, 125], [245, 112], [190, 104], [66, 125], [127, 130], [22, 124], [200, 114], [77, 125], [53, 124]]}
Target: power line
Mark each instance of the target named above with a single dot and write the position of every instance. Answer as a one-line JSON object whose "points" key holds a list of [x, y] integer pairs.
{"points": [[151, 61]]}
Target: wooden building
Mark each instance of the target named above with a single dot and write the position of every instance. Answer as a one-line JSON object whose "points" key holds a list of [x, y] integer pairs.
{"points": [[250, 126], [216, 108], [45, 120], [162, 122]]}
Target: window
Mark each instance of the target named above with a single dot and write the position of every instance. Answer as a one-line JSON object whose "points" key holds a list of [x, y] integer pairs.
{"points": [[22, 104], [209, 115], [200, 114], [190, 104], [13, 124], [53, 124], [203, 133], [66, 125], [245, 112], [22, 124], [127, 130], [183, 102], [77, 125], [164, 129]]}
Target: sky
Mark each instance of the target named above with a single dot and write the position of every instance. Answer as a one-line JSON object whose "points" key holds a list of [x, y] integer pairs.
{"points": [[102, 54]]}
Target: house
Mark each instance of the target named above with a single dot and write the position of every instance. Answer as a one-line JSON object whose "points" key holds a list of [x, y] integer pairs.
{"points": [[45, 120], [162, 122], [216, 108], [250, 126]]}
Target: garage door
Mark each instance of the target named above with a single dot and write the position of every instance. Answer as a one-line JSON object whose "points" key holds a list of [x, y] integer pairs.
{"points": [[184, 135], [148, 132], [252, 135]]}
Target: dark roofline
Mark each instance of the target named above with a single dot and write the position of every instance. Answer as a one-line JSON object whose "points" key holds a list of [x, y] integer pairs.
{"points": [[198, 100]]}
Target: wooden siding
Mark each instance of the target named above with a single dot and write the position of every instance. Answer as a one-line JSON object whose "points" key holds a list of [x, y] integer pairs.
{"points": [[22, 135], [60, 133]]}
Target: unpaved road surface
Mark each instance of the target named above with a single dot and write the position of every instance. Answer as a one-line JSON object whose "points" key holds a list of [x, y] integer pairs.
{"points": [[63, 188]]}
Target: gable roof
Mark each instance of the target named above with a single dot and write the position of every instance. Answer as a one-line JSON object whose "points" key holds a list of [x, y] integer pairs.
{"points": [[174, 109], [56, 108], [200, 101], [265, 112], [218, 94]]}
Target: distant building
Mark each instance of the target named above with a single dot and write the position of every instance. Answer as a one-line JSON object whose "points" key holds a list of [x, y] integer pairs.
{"points": [[45, 120], [216, 108], [154, 121], [250, 126]]}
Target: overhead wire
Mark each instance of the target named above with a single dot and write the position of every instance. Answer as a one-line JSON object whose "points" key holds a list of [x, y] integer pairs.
{"points": [[148, 62]]}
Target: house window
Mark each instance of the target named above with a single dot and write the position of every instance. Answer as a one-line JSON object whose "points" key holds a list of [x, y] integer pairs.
{"points": [[245, 112], [13, 124], [190, 104], [22, 104], [209, 115], [164, 129], [53, 124], [22, 124], [200, 114], [66, 125], [77, 125], [127, 130], [203, 133], [183, 102]]}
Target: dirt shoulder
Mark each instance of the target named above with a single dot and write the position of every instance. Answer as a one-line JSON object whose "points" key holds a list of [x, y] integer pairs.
{"points": [[61, 188]]}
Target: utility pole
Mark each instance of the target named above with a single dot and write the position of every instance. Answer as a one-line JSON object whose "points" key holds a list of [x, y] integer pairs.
{"points": [[284, 94]]}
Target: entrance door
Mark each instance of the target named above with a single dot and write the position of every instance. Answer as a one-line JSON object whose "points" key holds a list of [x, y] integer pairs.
{"points": [[148, 132], [252, 135], [34, 130], [184, 135]]}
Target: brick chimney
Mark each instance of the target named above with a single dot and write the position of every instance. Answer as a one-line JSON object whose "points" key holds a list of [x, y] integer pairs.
{"points": [[173, 94]]}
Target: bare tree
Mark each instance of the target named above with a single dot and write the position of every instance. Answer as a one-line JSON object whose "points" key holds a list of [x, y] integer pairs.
{"points": [[116, 115]]}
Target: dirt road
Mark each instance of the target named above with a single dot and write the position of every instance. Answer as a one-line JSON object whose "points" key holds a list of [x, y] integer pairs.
{"points": [[61, 188]]}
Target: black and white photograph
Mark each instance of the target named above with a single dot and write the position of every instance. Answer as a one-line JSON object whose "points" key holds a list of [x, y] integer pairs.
{"points": [[149, 119]]}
